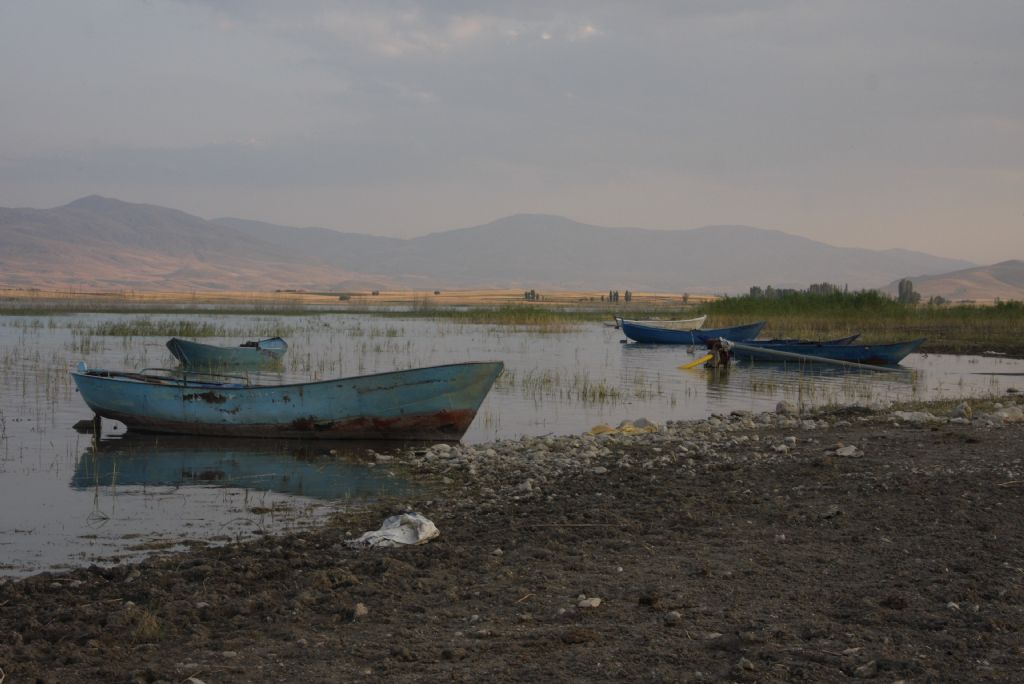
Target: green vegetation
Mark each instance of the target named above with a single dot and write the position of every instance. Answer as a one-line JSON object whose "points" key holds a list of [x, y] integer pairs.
{"points": [[823, 311], [957, 329], [537, 317], [144, 327]]}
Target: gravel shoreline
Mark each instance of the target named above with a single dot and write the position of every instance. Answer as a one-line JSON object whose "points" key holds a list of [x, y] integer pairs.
{"points": [[878, 545]]}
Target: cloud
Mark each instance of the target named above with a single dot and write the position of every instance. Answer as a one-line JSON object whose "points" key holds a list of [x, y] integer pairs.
{"points": [[415, 32], [794, 108]]}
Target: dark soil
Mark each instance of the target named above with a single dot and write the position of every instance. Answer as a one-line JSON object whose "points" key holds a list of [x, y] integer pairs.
{"points": [[906, 563]]}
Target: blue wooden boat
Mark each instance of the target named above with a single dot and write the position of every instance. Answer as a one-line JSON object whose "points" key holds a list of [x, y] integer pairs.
{"points": [[260, 353], [435, 403], [655, 335], [873, 354]]}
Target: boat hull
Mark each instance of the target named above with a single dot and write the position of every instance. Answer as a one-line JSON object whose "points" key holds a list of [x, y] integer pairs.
{"points": [[873, 354], [198, 355], [435, 403], [686, 324], [653, 335]]}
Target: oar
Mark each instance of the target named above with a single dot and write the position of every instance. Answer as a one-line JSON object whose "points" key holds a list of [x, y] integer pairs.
{"points": [[813, 359], [687, 366]]}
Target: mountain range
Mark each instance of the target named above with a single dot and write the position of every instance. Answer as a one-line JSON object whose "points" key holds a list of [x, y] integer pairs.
{"points": [[102, 243]]}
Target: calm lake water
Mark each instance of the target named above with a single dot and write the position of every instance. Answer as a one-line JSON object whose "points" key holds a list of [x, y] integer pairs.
{"points": [[65, 502]]}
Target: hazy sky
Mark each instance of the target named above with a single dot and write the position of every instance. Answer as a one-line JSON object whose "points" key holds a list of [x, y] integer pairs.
{"points": [[872, 124]]}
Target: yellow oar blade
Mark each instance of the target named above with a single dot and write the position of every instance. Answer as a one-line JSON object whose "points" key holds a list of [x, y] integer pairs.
{"points": [[706, 357]]}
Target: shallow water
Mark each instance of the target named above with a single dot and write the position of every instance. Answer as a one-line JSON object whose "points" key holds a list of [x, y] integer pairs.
{"points": [[65, 501]]}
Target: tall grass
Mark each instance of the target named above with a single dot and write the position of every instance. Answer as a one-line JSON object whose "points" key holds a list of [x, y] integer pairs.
{"points": [[145, 327], [958, 328]]}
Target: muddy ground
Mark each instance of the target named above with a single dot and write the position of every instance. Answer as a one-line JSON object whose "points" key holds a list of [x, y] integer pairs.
{"points": [[744, 549]]}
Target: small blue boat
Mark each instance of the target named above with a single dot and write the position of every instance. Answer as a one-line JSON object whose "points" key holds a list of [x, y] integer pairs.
{"points": [[873, 354], [654, 335], [260, 353], [435, 403]]}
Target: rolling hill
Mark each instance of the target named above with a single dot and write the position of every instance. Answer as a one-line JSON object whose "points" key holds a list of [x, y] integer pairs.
{"points": [[103, 243], [1004, 280]]}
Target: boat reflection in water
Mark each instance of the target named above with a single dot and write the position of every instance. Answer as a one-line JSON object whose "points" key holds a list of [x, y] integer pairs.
{"points": [[320, 470]]}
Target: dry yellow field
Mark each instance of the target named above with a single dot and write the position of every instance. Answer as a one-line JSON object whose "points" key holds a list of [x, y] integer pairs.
{"points": [[355, 299]]}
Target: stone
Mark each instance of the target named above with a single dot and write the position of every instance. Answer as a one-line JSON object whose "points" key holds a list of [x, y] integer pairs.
{"points": [[848, 451], [1013, 414], [915, 417], [963, 410], [592, 602], [830, 512], [786, 408], [867, 670]]}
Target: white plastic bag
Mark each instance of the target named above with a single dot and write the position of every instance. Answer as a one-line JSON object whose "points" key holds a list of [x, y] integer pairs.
{"points": [[399, 530]]}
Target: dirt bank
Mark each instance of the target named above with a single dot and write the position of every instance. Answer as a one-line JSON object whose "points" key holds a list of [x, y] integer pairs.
{"points": [[885, 546]]}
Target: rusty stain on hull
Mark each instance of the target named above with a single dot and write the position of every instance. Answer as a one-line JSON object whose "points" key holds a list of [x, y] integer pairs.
{"points": [[443, 425], [208, 397]]}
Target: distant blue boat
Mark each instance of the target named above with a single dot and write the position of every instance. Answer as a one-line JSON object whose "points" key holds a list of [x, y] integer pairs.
{"points": [[654, 335], [873, 354], [435, 403], [256, 354]]}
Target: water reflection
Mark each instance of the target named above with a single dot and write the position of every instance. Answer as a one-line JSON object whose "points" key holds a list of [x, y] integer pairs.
{"points": [[317, 470]]}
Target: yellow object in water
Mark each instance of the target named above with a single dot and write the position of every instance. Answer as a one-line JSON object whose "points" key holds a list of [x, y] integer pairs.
{"points": [[687, 366]]}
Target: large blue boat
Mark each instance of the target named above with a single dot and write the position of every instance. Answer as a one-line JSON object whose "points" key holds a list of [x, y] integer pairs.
{"points": [[434, 403], [874, 354], [655, 335]]}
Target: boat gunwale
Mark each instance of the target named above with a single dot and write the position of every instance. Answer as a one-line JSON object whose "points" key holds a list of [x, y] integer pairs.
{"points": [[701, 331], [157, 381]]}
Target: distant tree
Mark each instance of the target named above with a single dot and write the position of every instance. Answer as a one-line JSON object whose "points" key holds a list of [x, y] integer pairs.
{"points": [[823, 289], [906, 292]]}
